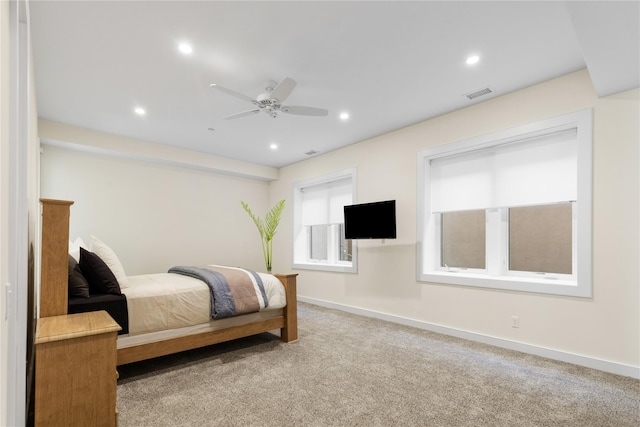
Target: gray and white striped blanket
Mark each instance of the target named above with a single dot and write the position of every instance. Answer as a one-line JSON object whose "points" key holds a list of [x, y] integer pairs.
{"points": [[233, 290]]}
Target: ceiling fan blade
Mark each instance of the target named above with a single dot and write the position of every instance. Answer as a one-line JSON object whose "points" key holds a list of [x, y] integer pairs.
{"points": [[233, 93], [242, 114], [284, 89], [304, 111]]}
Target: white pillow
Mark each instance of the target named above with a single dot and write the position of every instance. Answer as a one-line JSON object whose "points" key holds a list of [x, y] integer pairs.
{"points": [[74, 248], [110, 258]]}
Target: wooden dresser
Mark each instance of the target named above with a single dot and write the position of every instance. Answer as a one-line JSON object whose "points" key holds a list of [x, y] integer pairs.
{"points": [[76, 370]]}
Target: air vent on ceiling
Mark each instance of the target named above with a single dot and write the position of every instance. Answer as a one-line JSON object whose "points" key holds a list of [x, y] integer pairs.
{"points": [[478, 93], [311, 153]]}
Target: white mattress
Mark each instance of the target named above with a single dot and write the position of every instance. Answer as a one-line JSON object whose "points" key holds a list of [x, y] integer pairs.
{"points": [[168, 301]]}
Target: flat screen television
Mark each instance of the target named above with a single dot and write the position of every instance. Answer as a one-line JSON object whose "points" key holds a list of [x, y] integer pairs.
{"points": [[375, 220]]}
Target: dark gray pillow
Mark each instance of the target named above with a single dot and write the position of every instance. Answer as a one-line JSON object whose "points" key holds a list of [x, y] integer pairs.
{"points": [[99, 275], [78, 285]]}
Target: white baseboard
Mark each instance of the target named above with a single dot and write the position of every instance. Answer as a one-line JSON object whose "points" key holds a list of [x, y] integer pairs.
{"points": [[576, 359]]}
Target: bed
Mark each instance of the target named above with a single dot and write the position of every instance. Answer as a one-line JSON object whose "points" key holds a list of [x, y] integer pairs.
{"points": [[165, 312]]}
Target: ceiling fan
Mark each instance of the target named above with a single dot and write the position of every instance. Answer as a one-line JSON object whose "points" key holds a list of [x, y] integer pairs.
{"points": [[271, 100]]}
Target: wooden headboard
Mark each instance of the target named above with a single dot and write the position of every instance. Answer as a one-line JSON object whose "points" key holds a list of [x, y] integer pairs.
{"points": [[55, 255]]}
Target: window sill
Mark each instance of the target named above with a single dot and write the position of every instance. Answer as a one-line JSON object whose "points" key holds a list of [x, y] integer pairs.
{"points": [[340, 268], [511, 283]]}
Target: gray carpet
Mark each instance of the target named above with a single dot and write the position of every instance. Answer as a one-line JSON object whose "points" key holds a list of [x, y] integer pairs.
{"points": [[348, 370]]}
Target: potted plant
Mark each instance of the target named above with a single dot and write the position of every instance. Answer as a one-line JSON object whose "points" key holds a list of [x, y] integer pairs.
{"points": [[266, 228]]}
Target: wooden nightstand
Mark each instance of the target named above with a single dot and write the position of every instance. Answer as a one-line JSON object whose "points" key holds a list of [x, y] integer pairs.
{"points": [[76, 370]]}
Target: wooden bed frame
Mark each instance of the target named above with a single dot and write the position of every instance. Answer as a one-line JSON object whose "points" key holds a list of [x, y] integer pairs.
{"points": [[54, 295]]}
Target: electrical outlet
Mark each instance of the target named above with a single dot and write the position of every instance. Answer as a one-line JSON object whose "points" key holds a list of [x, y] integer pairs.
{"points": [[515, 322]]}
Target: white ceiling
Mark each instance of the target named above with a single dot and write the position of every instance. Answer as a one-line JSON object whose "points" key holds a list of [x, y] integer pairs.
{"points": [[388, 63]]}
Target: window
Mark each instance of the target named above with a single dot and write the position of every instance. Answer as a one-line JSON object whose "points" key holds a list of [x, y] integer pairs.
{"points": [[319, 242], [463, 239], [510, 210], [540, 239]]}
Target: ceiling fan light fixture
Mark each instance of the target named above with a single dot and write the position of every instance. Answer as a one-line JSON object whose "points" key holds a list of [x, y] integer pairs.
{"points": [[270, 101]]}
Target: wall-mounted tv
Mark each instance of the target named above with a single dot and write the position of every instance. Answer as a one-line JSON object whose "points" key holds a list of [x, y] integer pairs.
{"points": [[370, 220]]}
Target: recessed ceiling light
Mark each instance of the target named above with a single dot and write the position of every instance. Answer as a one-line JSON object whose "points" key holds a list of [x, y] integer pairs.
{"points": [[473, 59], [140, 111], [344, 116], [185, 48], [274, 146]]}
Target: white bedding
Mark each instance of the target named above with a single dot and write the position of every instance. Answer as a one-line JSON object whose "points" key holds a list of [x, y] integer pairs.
{"points": [[165, 301]]}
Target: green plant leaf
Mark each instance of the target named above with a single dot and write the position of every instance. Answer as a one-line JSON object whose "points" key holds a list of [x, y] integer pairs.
{"points": [[272, 219], [256, 219], [267, 228]]}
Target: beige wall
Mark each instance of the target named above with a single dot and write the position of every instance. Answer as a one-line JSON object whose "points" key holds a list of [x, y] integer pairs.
{"points": [[155, 216], [605, 327]]}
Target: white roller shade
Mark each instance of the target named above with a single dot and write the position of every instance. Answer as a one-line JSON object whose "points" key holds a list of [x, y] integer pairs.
{"points": [[324, 203], [539, 170]]}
